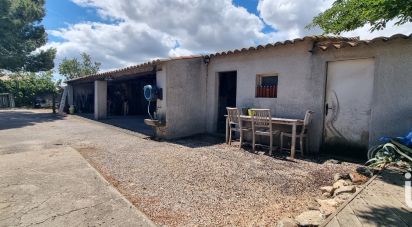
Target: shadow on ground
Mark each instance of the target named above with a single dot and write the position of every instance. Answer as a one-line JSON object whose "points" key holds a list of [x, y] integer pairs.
{"points": [[386, 216], [393, 176], [197, 141], [133, 123], [215, 141], [10, 119]]}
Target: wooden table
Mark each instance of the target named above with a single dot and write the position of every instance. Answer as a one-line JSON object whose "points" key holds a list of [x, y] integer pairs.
{"points": [[278, 121]]}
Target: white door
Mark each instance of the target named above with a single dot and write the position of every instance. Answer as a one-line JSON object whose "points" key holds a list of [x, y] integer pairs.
{"points": [[348, 102]]}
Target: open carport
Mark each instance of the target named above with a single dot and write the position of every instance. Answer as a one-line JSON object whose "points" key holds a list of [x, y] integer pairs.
{"points": [[115, 97]]}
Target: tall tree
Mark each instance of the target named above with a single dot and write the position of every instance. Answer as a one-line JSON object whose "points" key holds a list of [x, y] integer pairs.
{"points": [[348, 15], [21, 34], [73, 68]]}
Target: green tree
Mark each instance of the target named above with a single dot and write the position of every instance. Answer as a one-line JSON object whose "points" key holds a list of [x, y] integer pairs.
{"points": [[26, 86], [73, 68], [348, 15], [21, 34]]}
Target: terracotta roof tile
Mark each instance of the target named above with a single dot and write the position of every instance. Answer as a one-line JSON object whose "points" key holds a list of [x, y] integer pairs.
{"points": [[322, 42], [353, 43], [286, 42]]}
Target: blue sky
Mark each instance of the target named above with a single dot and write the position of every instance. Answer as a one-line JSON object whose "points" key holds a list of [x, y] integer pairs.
{"points": [[120, 33], [61, 13]]}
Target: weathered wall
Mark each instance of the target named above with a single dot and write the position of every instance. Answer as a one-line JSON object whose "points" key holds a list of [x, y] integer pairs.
{"points": [[161, 105], [392, 93], [185, 97], [296, 85]]}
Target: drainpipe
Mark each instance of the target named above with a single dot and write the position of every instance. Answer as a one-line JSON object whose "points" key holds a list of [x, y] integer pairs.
{"points": [[206, 60]]}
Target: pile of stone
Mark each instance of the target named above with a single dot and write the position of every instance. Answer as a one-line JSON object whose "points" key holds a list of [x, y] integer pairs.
{"points": [[344, 186]]}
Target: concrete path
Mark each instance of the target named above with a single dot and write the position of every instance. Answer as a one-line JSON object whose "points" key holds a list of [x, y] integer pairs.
{"points": [[380, 203], [51, 184]]}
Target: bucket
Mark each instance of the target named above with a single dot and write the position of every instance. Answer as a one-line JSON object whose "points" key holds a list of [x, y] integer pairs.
{"points": [[71, 109]]}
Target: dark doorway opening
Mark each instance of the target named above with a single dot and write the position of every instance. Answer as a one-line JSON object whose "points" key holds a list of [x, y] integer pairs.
{"points": [[125, 97], [226, 98]]}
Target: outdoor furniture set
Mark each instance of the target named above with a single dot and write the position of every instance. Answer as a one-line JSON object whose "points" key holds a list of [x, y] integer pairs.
{"points": [[262, 122]]}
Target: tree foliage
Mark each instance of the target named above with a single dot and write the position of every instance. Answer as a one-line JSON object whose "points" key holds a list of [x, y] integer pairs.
{"points": [[21, 34], [73, 68], [348, 15], [26, 86]]}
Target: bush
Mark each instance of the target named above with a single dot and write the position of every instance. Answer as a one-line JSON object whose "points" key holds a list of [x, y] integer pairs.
{"points": [[25, 87]]}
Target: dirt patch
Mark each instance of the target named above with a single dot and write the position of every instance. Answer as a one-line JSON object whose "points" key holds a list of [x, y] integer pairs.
{"points": [[201, 181]]}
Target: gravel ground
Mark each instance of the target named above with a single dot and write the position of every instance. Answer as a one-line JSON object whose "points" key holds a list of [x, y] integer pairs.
{"points": [[202, 181], [195, 181]]}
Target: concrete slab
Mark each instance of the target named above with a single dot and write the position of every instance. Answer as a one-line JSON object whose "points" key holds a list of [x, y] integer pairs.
{"points": [[54, 186]]}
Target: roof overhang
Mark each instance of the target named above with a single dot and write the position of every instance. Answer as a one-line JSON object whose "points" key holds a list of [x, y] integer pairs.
{"points": [[129, 72]]}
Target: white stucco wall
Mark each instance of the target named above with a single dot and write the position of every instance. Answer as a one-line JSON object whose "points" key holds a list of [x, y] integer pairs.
{"points": [[296, 85], [302, 81], [161, 83], [185, 97], [100, 99], [392, 94]]}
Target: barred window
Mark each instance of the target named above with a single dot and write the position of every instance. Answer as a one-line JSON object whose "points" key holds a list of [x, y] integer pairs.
{"points": [[266, 86]]}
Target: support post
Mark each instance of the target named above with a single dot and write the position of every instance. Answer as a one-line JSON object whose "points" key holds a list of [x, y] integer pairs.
{"points": [[70, 95], [100, 99]]}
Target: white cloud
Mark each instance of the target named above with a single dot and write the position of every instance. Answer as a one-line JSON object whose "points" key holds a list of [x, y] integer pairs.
{"points": [[113, 44], [291, 17], [176, 52], [142, 30], [391, 29]]}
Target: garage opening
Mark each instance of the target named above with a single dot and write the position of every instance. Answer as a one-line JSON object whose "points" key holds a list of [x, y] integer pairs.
{"points": [[126, 106], [126, 98], [83, 98]]}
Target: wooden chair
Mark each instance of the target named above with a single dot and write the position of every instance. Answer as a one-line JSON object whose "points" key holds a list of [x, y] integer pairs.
{"points": [[262, 125], [235, 124], [302, 135]]}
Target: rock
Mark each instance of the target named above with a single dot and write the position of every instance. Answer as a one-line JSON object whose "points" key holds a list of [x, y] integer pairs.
{"points": [[328, 189], [287, 222], [341, 183], [364, 171], [345, 189], [339, 176], [332, 161], [327, 206], [327, 202], [357, 178], [326, 211], [342, 197], [327, 195], [313, 205], [309, 218]]}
